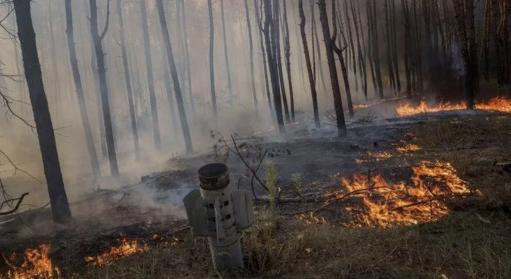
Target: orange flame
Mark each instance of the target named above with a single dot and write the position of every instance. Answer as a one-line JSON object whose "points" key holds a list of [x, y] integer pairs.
{"points": [[498, 104], [425, 199], [408, 148], [37, 264], [124, 249]]}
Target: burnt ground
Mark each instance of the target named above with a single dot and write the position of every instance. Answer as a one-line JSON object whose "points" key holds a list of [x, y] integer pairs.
{"points": [[314, 236]]}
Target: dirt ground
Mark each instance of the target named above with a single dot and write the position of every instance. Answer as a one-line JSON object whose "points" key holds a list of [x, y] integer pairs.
{"points": [[417, 197]]}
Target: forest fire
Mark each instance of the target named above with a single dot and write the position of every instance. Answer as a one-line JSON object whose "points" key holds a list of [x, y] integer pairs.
{"points": [[37, 264], [424, 199], [498, 104], [124, 249]]}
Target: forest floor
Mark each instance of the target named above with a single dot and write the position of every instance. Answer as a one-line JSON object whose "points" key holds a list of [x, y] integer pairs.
{"points": [[417, 197]]}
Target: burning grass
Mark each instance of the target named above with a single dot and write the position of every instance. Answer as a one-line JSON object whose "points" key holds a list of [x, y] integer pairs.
{"points": [[36, 264], [124, 249], [383, 204], [498, 104]]}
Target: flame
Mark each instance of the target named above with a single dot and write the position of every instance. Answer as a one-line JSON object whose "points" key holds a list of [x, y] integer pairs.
{"points": [[37, 264], [498, 104], [408, 148], [384, 204], [124, 249]]}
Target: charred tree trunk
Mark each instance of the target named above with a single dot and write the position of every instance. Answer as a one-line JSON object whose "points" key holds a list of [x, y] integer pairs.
{"points": [[407, 46], [360, 48], [312, 80], [278, 56], [212, 58], [58, 198], [465, 17], [342, 61], [93, 157], [287, 53], [226, 54], [150, 76], [376, 48], [127, 80], [269, 38], [263, 53], [251, 56], [97, 38], [336, 91], [316, 51], [175, 78]]}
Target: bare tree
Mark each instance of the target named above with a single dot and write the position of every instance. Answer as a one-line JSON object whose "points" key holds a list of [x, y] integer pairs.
{"points": [[287, 55], [312, 80], [97, 38], [175, 78], [212, 59], [58, 198], [251, 55], [226, 53], [93, 157], [127, 80], [329, 47], [150, 76]]}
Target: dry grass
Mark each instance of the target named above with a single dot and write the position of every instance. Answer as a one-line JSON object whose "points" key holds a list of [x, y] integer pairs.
{"points": [[473, 243]]}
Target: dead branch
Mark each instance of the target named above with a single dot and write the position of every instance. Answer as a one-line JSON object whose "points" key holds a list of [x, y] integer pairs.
{"points": [[240, 156], [16, 207]]}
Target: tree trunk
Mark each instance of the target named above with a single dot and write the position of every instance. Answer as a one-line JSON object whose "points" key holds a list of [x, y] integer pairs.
{"points": [[175, 78], [336, 91], [312, 81], [287, 53], [212, 59], [269, 34], [150, 76], [251, 56], [103, 86], [278, 56], [93, 157], [58, 198], [263, 53], [127, 80], [226, 54], [187, 56]]}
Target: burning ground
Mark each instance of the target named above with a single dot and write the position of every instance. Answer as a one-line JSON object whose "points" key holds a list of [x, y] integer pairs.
{"points": [[421, 196]]}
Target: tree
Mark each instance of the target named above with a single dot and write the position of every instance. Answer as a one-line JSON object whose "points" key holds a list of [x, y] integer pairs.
{"points": [[93, 157], [312, 80], [287, 55], [97, 39], [269, 39], [212, 58], [251, 55], [58, 198], [226, 53], [336, 91], [175, 78], [464, 10], [150, 76], [127, 80]]}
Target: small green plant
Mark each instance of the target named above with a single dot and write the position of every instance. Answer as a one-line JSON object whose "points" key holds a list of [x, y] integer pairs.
{"points": [[271, 183]]}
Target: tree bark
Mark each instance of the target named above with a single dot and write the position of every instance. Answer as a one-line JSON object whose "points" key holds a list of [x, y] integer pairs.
{"points": [[47, 144]]}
